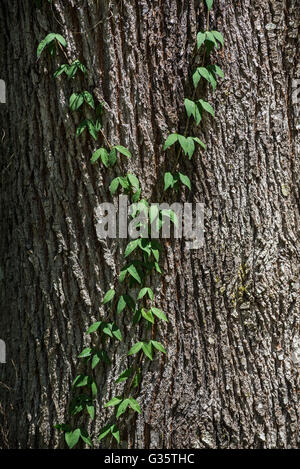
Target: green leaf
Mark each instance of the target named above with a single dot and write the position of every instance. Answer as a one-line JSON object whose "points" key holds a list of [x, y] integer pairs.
{"points": [[122, 408], [114, 401], [116, 332], [170, 214], [153, 213], [81, 127], [98, 125], [133, 181], [210, 37], [80, 66], [124, 151], [108, 296], [72, 438], [169, 181], [49, 40], [134, 405], [189, 106], [71, 71], [158, 346], [213, 81], [203, 72], [74, 67], [124, 182], [114, 185], [86, 123], [148, 316], [91, 411], [110, 429], [123, 274], [77, 405], [121, 304], [145, 245], [89, 99], [197, 115], [99, 356], [209, 4], [103, 154], [136, 348], [104, 432], [159, 314], [200, 39], [187, 144], [144, 291], [87, 352], [94, 327], [217, 70], [172, 138], [196, 78], [61, 39], [124, 375], [137, 378], [155, 245], [106, 329], [131, 247], [80, 381], [112, 158], [115, 433], [192, 110], [94, 388], [155, 248], [62, 427], [183, 143], [85, 437], [207, 107], [139, 207], [218, 36], [137, 195], [134, 273], [202, 144], [185, 180], [137, 317], [92, 129], [76, 100], [95, 360], [125, 300], [62, 69], [147, 349]]}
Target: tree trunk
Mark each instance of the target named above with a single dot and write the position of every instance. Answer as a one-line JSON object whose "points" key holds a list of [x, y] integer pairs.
{"points": [[231, 376]]}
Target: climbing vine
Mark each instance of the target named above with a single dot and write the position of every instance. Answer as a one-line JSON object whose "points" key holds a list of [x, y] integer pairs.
{"points": [[142, 255]]}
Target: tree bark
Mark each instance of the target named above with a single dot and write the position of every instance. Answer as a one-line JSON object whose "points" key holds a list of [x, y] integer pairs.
{"points": [[231, 376]]}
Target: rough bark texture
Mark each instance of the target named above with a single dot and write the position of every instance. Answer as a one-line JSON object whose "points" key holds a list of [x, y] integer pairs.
{"points": [[231, 379]]}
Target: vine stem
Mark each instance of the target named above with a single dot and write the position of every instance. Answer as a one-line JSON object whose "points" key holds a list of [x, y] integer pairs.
{"points": [[64, 52], [106, 139]]}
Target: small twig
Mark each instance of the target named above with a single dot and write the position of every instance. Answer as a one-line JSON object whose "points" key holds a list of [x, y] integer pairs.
{"points": [[106, 139], [64, 52]]}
